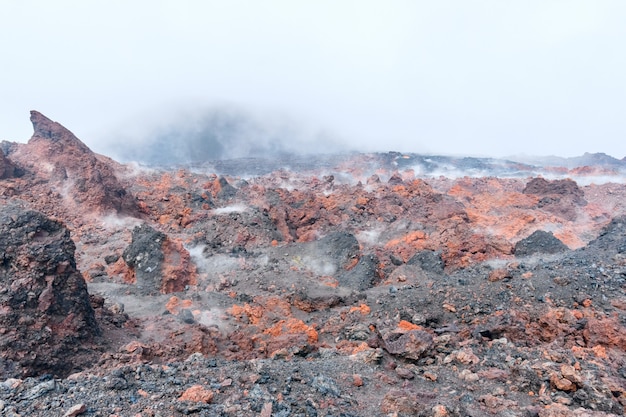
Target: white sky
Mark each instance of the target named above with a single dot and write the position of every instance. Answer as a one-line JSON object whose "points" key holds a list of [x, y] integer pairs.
{"points": [[468, 77]]}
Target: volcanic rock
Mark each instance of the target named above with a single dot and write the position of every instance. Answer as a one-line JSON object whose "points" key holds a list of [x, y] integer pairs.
{"points": [[559, 197], [363, 276], [340, 248], [349, 285], [410, 345], [539, 242], [157, 263], [45, 313], [429, 261], [56, 155], [238, 231], [612, 236], [7, 169]]}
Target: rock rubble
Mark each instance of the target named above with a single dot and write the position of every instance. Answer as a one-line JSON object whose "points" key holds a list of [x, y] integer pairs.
{"points": [[359, 288]]}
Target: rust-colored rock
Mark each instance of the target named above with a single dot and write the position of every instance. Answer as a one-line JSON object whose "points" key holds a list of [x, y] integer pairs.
{"points": [[197, 393], [499, 275], [86, 181]]}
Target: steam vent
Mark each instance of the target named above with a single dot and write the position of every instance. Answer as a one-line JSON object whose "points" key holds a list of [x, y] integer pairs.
{"points": [[361, 284]]}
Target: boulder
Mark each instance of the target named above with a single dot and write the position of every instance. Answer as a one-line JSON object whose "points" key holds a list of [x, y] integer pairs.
{"points": [[45, 312], [428, 260], [157, 263]]}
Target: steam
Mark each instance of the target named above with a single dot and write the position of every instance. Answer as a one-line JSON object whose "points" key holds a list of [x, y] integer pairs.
{"points": [[213, 265], [115, 222], [319, 266], [370, 237], [217, 133], [235, 208]]}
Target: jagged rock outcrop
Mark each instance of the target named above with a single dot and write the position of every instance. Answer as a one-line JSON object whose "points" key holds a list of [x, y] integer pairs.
{"points": [[157, 263], [45, 312], [87, 181]]}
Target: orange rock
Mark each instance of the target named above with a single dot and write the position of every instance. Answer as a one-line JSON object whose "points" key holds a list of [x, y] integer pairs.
{"points": [[197, 393], [175, 304], [363, 309], [499, 275], [254, 314], [178, 270], [579, 352], [562, 384], [600, 351], [361, 348], [292, 326], [607, 332], [406, 326], [329, 281], [430, 376]]}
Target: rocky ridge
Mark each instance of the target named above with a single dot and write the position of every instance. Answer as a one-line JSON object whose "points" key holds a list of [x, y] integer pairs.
{"points": [[359, 288]]}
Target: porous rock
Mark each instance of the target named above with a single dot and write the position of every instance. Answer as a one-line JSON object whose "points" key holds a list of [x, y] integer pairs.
{"points": [[45, 311]]}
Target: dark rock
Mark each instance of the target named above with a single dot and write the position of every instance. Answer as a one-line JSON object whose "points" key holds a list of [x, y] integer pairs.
{"points": [[363, 276], [226, 191], [325, 386], [157, 263], [560, 197], [111, 259], [7, 168], [319, 297], [238, 231], [145, 256], [539, 242], [566, 187], [429, 261], [612, 236], [46, 312], [197, 200], [395, 179], [340, 247], [186, 316]]}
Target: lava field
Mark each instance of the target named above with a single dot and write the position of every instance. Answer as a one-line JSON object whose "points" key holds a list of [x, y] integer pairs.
{"points": [[378, 284]]}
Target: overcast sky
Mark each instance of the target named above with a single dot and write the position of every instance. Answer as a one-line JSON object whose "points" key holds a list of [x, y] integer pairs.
{"points": [[491, 78]]}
